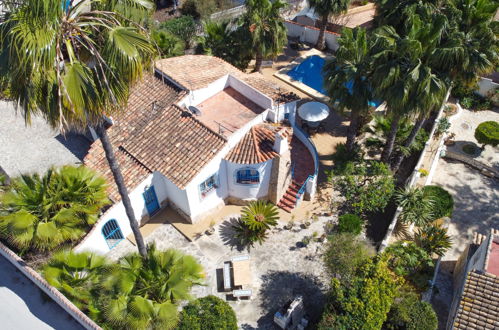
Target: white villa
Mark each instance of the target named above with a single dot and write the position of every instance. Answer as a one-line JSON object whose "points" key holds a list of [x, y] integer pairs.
{"points": [[197, 135]]}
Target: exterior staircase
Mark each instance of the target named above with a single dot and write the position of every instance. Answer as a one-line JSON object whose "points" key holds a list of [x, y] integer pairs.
{"points": [[288, 200]]}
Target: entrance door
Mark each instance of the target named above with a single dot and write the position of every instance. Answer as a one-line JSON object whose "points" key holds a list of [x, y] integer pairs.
{"points": [[151, 200]]}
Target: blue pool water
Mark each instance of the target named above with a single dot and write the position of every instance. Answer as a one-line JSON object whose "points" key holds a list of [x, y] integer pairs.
{"points": [[309, 72]]}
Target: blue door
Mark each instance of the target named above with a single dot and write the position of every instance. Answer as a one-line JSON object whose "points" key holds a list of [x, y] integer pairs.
{"points": [[151, 200]]}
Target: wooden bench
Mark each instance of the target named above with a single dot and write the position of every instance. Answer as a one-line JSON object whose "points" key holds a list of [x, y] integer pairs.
{"points": [[242, 293]]}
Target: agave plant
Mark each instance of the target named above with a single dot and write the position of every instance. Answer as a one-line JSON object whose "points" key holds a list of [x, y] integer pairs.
{"points": [[416, 206], [76, 275], [433, 239], [256, 219], [41, 212], [143, 293]]}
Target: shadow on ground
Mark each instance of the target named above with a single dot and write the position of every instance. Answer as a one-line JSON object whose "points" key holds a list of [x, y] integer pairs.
{"points": [[76, 143], [279, 287], [228, 235]]}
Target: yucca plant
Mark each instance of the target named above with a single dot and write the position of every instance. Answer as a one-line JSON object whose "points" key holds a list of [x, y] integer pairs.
{"points": [[42, 212], [416, 206], [433, 239], [143, 293], [76, 275], [256, 218]]}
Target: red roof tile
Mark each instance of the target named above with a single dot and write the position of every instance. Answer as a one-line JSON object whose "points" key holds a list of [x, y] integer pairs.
{"points": [[256, 146]]}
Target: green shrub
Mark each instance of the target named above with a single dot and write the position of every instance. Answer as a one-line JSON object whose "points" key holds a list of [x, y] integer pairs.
{"points": [[410, 261], [433, 239], [168, 44], [256, 219], [183, 27], [443, 203], [487, 133], [345, 252], [350, 223], [208, 313], [409, 312], [367, 186]]}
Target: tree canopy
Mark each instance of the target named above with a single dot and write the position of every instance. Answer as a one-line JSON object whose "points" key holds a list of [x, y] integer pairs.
{"points": [[208, 313], [487, 133]]}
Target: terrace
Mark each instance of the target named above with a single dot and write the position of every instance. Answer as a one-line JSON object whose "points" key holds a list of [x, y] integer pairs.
{"points": [[227, 111]]}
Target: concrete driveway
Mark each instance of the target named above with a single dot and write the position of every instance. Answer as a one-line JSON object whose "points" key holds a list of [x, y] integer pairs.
{"points": [[35, 148], [23, 306]]}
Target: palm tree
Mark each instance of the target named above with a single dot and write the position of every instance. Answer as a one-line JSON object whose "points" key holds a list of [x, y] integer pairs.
{"points": [[77, 276], [256, 219], [324, 9], [266, 26], [398, 13], [433, 239], [143, 293], [75, 66], [44, 212], [347, 78], [416, 206]]}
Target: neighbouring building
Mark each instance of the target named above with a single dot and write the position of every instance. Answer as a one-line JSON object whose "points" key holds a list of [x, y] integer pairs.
{"points": [[476, 285], [199, 134]]}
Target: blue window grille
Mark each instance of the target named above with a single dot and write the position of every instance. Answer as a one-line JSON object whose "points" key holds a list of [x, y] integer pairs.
{"points": [[208, 185], [248, 176], [112, 233]]}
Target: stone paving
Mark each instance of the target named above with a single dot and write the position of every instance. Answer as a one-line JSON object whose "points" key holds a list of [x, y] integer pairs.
{"points": [[280, 268]]}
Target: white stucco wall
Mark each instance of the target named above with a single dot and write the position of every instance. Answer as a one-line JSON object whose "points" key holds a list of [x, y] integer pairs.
{"points": [[310, 34], [96, 242], [250, 93], [200, 95], [281, 111], [485, 85], [245, 191], [214, 198]]}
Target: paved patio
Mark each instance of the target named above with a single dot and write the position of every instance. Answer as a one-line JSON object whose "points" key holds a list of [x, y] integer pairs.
{"points": [[279, 269], [35, 148]]}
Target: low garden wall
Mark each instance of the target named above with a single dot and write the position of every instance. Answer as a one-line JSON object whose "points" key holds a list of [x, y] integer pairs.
{"points": [[310, 34], [52, 292], [305, 139], [411, 181]]}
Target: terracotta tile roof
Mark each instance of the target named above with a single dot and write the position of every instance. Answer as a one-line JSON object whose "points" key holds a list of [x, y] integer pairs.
{"points": [[197, 71], [175, 144], [256, 146], [133, 172], [479, 303], [153, 135]]}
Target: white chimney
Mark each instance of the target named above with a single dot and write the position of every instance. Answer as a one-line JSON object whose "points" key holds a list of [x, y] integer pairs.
{"points": [[281, 141]]}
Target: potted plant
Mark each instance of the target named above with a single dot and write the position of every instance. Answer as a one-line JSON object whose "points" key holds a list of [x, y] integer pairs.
{"points": [[305, 241], [211, 229], [322, 238], [306, 222], [315, 236], [289, 225], [449, 140]]}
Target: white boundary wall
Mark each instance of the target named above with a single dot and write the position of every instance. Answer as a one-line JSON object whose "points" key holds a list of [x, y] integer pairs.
{"points": [[485, 85], [310, 34], [52, 292]]}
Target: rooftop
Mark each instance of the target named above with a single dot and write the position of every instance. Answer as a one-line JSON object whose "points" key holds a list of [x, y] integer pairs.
{"points": [[194, 72], [257, 146], [479, 304], [492, 266], [227, 111]]}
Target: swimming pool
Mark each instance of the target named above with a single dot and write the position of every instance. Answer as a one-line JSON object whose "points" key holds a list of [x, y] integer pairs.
{"points": [[309, 72]]}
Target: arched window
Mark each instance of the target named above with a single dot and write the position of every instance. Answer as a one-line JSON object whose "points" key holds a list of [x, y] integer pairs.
{"points": [[248, 176], [112, 233]]}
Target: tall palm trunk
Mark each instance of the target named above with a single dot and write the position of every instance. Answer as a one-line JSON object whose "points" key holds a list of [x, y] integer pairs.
{"points": [[410, 140], [120, 182], [258, 61], [321, 40], [390, 140], [352, 130]]}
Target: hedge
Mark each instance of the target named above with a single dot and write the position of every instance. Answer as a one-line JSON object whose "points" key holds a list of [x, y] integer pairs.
{"points": [[208, 313], [443, 203]]}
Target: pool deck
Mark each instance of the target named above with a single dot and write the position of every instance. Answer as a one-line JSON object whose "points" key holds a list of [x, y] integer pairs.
{"points": [[282, 74]]}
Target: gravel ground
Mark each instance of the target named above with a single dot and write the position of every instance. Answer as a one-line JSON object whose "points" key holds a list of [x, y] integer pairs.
{"points": [[280, 269], [35, 148]]}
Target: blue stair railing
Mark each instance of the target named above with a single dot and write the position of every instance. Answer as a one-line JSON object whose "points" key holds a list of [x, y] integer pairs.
{"points": [[300, 192]]}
